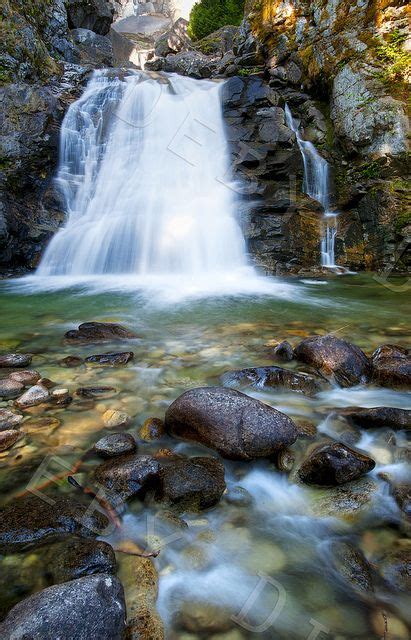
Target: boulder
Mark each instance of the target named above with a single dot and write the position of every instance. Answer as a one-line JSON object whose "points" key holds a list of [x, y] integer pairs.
{"points": [[32, 520], [115, 444], [90, 607], [33, 396], [335, 358], [99, 332], [273, 377], [378, 417], [191, 483], [334, 463], [127, 476], [8, 438], [15, 360], [232, 423], [190, 63], [219, 42], [10, 388], [283, 352], [391, 367], [113, 359], [96, 15], [174, 40], [26, 377], [9, 420], [78, 557], [95, 50]]}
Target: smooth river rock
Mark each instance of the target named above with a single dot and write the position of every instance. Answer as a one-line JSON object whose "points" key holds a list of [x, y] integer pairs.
{"points": [[8, 438], [26, 377], [33, 396], [90, 607], [99, 332], [334, 463], [116, 444], [9, 420], [12, 360], [336, 359], [273, 377], [378, 417], [10, 388], [113, 359], [31, 520], [78, 557], [234, 424], [391, 367], [127, 476]]}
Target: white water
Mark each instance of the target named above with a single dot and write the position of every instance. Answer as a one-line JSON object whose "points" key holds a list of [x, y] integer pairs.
{"points": [[317, 186], [150, 201]]}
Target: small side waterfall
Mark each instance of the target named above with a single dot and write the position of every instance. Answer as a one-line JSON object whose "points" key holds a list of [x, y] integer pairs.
{"points": [[317, 186], [144, 171]]}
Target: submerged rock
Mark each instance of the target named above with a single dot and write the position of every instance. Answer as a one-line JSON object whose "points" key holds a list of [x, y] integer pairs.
{"points": [[113, 359], [72, 361], [9, 420], [352, 566], [99, 332], [348, 501], [10, 388], [33, 396], [115, 444], [12, 360], [78, 557], [395, 568], [26, 377], [191, 483], [113, 418], [90, 607], [8, 438], [32, 520], [283, 352], [391, 367], [203, 617], [93, 392], [152, 429], [232, 423], [273, 377], [127, 476], [335, 358], [334, 463], [378, 417], [400, 489]]}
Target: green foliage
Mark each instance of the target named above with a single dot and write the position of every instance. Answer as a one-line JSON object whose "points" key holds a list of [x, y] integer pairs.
{"points": [[250, 71], [370, 169], [207, 16], [394, 57]]}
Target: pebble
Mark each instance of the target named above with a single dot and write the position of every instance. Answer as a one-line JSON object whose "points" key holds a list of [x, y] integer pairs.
{"points": [[26, 377], [15, 360], [113, 418], [33, 396], [10, 388]]}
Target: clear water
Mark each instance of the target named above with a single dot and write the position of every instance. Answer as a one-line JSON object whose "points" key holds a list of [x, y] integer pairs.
{"points": [[283, 536], [317, 186]]}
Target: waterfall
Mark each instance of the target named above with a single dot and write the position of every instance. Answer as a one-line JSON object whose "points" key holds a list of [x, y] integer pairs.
{"points": [[145, 174], [317, 186]]}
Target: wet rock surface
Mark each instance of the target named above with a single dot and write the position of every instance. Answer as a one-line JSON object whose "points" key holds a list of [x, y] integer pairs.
{"points": [[351, 564], [78, 557], [283, 352], [127, 476], [94, 49], [115, 444], [391, 367], [152, 429], [99, 332], [235, 425], [333, 464], [378, 417], [31, 520], [33, 396], [92, 606], [395, 568], [8, 438], [335, 358], [113, 359], [191, 483], [26, 377], [15, 360], [9, 420], [10, 388], [273, 377]]}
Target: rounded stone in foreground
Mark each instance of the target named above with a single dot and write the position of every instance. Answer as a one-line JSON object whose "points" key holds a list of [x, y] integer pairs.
{"points": [[334, 463], [90, 607], [15, 360], [237, 426], [115, 444]]}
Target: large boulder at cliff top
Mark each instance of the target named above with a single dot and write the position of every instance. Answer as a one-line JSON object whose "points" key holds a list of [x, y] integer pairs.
{"points": [[32, 520], [127, 476], [334, 463], [391, 367], [378, 417], [96, 15], [90, 607], [99, 332], [273, 377], [335, 358], [232, 423], [191, 483]]}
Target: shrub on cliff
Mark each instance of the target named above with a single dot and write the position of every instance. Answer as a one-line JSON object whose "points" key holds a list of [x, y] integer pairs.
{"points": [[207, 16]]}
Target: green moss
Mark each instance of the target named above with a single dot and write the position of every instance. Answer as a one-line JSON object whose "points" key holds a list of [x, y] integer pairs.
{"points": [[370, 169], [395, 60], [250, 71], [403, 219]]}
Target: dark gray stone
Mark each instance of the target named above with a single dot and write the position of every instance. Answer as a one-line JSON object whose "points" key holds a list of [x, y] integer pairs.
{"points": [[334, 463], [115, 444]]}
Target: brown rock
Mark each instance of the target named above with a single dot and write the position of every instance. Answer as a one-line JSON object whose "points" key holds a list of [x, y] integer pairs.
{"points": [[9, 420], [127, 476], [72, 361], [283, 352], [391, 367], [232, 423], [335, 358], [8, 438], [152, 429], [334, 463], [26, 377], [10, 389], [100, 332], [78, 557], [15, 360]]}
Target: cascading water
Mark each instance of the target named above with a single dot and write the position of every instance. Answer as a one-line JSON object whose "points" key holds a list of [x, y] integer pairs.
{"points": [[144, 171], [317, 186]]}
